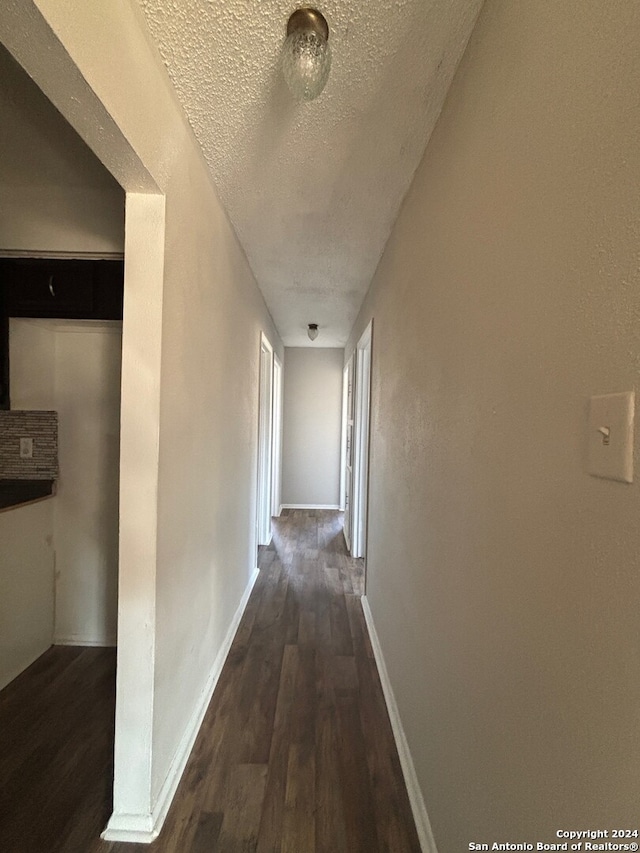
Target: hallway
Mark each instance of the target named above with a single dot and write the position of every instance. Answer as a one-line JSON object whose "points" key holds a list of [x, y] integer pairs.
{"points": [[466, 186], [296, 752]]}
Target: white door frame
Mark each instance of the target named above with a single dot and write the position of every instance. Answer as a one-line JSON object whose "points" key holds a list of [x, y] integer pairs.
{"points": [[361, 443], [265, 442], [343, 440], [348, 391], [276, 470]]}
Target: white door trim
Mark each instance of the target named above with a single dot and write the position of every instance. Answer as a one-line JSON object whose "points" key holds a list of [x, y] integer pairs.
{"points": [[361, 443], [343, 440], [349, 376], [265, 442], [276, 467]]}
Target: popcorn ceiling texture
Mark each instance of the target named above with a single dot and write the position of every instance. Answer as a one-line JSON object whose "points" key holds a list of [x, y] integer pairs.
{"points": [[42, 427], [312, 189]]}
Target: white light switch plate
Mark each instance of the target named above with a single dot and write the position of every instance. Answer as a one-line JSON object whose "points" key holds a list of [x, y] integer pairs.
{"points": [[611, 436], [26, 448]]}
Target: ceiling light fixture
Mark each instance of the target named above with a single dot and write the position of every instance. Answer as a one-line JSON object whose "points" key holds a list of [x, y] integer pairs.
{"points": [[312, 331], [306, 57]]}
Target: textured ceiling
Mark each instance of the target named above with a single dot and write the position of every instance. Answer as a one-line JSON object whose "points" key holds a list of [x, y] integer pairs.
{"points": [[313, 189]]}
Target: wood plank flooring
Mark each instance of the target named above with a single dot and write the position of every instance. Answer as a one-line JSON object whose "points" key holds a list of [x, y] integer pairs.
{"points": [[295, 754], [56, 747]]}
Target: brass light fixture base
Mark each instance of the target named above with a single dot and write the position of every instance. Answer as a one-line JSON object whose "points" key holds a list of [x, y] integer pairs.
{"points": [[308, 19]]}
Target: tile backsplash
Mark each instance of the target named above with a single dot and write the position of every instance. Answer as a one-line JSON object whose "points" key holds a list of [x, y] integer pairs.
{"points": [[42, 428]]}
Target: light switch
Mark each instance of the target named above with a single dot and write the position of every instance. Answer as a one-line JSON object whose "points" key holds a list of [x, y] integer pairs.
{"points": [[26, 448], [611, 436]]}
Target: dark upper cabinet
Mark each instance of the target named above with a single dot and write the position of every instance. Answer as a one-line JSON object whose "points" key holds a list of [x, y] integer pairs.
{"points": [[4, 358], [75, 290], [108, 290], [60, 289]]}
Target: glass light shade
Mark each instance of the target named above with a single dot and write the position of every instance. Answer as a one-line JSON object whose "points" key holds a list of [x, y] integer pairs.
{"points": [[306, 63], [312, 331]]}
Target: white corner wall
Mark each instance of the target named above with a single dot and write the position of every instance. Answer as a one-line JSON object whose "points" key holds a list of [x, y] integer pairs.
{"points": [[55, 196], [503, 580], [312, 411]]}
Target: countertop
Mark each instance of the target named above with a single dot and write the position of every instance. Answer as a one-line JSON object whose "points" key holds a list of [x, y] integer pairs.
{"points": [[18, 492]]}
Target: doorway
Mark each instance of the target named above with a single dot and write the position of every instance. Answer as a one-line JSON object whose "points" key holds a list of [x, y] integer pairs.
{"points": [[276, 466], [358, 397], [347, 459], [265, 443], [61, 289]]}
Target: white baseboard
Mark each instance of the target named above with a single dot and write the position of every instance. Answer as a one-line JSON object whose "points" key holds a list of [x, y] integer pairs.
{"points": [[280, 510], [76, 640], [131, 828], [420, 816], [144, 828], [309, 506]]}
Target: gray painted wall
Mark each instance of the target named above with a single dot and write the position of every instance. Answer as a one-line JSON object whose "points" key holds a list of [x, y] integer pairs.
{"points": [[502, 578], [55, 195], [312, 411]]}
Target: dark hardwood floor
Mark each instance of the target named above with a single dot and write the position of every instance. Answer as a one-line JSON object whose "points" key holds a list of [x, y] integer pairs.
{"points": [[295, 754], [56, 747]]}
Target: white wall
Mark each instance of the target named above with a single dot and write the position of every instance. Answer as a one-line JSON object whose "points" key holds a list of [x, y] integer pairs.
{"points": [[26, 586], [56, 197], [32, 364], [27, 556], [192, 322], [73, 368], [312, 411], [502, 578], [87, 399]]}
